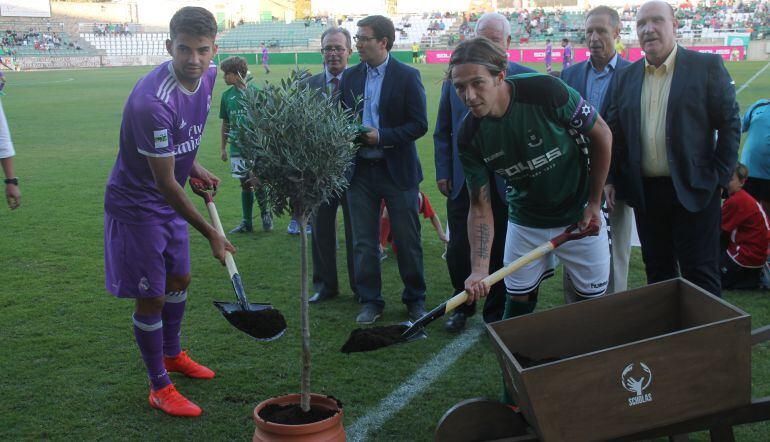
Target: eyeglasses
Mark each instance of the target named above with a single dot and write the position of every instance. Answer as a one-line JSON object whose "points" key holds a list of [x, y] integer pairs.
{"points": [[333, 49], [363, 38]]}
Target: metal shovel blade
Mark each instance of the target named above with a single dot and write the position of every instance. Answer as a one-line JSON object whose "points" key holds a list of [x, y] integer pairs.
{"points": [[413, 334], [260, 321]]}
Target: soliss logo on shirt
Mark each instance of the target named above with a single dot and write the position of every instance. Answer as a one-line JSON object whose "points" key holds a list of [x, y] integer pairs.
{"points": [[531, 165]]}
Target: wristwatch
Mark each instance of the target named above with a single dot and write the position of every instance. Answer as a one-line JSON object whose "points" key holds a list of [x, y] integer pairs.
{"points": [[14, 181]]}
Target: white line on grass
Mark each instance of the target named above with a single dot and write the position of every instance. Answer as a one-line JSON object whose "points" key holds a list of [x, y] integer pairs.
{"points": [[751, 79], [419, 381]]}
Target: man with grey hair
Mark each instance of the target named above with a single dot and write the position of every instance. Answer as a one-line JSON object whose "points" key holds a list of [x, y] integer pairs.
{"points": [[451, 183], [676, 133], [336, 49], [592, 78]]}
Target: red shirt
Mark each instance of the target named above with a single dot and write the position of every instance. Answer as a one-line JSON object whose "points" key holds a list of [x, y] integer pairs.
{"points": [[744, 221]]}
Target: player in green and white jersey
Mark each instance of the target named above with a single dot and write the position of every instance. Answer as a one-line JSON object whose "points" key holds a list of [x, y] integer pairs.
{"points": [[530, 129], [230, 111]]}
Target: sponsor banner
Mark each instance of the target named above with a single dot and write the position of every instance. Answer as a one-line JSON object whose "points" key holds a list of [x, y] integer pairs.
{"points": [[635, 54], [133, 60], [581, 54], [434, 57], [45, 62]]}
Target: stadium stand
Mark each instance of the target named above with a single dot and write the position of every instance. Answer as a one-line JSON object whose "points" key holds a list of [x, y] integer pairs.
{"points": [[272, 34], [35, 36], [143, 43]]}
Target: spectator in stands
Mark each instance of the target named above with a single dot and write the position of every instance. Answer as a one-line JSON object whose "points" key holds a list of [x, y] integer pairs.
{"points": [[591, 78], [336, 48], [673, 151], [12, 193], [386, 166], [744, 236], [756, 151], [450, 180]]}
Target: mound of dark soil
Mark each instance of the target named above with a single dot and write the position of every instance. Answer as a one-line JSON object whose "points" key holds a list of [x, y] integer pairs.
{"points": [[261, 324], [368, 339], [293, 415]]}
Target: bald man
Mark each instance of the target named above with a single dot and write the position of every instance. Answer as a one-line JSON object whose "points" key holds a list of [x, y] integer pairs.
{"points": [[676, 133], [451, 183]]}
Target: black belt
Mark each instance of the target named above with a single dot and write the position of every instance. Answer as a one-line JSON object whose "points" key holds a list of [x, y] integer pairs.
{"points": [[370, 161]]}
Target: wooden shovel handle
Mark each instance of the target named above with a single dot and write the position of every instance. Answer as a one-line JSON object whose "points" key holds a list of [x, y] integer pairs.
{"points": [[569, 234], [200, 189]]}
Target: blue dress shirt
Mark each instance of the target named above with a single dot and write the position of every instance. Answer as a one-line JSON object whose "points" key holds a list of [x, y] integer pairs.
{"points": [[371, 117], [598, 82]]}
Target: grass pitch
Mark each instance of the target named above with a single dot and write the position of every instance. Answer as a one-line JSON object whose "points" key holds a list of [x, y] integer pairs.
{"points": [[71, 369]]}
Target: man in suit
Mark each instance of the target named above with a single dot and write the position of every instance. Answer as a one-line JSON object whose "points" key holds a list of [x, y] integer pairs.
{"points": [[336, 50], [592, 78], [386, 167], [676, 133], [451, 183]]}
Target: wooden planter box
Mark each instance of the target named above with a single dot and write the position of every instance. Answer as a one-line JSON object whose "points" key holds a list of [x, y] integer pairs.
{"points": [[627, 362]]}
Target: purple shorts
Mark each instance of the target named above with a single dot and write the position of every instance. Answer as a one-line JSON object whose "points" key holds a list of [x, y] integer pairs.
{"points": [[137, 258]]}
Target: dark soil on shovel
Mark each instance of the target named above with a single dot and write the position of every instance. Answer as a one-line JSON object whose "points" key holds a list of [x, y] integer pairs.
{"points": [[368, 339], [292, 414], [261, 324]]}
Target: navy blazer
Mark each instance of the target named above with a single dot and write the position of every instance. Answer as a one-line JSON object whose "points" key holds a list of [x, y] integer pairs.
{"points": [[451, 111], [576, 77], [403, 117], [703, 129]]}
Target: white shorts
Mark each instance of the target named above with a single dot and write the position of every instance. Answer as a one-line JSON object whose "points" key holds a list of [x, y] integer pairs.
{"points": [[238, 167], [586, 261]]}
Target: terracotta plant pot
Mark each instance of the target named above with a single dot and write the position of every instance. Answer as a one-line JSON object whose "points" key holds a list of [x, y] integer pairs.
{"points": [[327, 430]]}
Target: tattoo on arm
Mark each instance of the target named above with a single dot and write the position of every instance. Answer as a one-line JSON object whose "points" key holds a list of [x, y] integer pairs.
{"points": [[483, 236], [480, 194]]}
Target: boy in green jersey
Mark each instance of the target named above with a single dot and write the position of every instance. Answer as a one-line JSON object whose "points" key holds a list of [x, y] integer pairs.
{"points": [[230, 110], [530, 129]]}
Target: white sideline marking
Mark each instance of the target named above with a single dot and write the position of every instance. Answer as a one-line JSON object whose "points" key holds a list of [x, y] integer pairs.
{"points": [[751, 79], [418, 382], [35, 83]]}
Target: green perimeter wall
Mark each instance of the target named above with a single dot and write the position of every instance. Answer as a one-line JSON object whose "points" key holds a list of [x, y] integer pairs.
{"points": [[305, 57]]}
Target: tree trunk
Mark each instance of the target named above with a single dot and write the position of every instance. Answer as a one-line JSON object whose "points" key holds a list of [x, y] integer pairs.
{"points": [[305, 317]]}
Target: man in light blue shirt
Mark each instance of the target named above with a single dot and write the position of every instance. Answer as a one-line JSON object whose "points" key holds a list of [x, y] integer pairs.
{"points": [[386, 166], [371, 114], [756, 151], [592, 79]]}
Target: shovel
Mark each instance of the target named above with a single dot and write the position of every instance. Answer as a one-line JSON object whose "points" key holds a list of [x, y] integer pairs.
{"points": [[258, 320], [372, 339]]}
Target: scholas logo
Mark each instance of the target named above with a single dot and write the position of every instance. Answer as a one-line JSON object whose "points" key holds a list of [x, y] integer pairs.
{"points": [[636, 379]]}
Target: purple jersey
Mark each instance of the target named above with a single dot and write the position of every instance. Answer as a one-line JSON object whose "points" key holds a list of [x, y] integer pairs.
{"points": [[265, 57], [161, 118], [548, 52]]}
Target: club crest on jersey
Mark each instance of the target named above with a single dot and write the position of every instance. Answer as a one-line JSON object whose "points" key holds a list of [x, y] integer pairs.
{"points": [[534, 140], [161, 138]]}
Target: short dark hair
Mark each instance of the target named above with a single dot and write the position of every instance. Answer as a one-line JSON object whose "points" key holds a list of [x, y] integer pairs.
{"points": [[741, 171], [481, 51], [332, 31], [614, 17], [382, 28], [194, 21], [565, 40], [235, 65]]}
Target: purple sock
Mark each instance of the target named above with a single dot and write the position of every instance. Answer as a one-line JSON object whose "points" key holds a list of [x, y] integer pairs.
{"points": [[148, 330], [173, 311]]}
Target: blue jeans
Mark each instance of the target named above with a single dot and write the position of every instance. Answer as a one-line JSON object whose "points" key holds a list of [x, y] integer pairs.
{"points": [[371, 184]]}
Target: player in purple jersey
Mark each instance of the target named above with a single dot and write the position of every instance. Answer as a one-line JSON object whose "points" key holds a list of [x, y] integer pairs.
{"points": [[146, 244], [567, 55], [548, 54], [265, 58]]}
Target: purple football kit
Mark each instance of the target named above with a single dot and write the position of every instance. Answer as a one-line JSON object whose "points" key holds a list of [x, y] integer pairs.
{"points": [[144, 238]]}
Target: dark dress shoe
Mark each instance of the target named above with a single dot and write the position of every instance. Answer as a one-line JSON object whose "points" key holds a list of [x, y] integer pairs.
{"points": [[456, 322], [415, 311], [319, 297]]}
